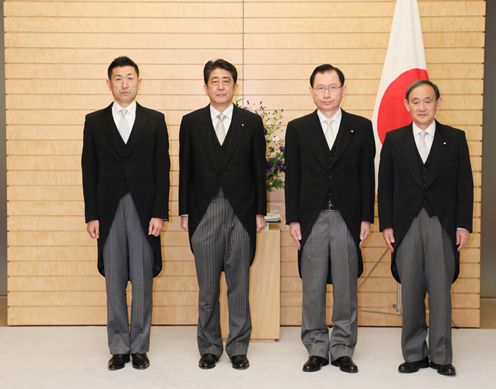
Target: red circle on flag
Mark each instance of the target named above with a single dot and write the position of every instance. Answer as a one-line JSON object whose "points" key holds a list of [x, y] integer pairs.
{"points": [[392, 112]]}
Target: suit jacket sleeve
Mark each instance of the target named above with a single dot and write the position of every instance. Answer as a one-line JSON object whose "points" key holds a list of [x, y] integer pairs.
{"points": [[89, 165], [259, 167], [367, 172], [162, 168], [292, 183], [385, 190], [184, 167], [465, 183]]}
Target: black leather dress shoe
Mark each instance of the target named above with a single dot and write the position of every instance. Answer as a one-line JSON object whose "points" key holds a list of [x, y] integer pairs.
{"points": [[345, 364], [413, 367], [140, 361], [448, 369], [118, 361], [240, 362], [314, 363], [208, 361]]}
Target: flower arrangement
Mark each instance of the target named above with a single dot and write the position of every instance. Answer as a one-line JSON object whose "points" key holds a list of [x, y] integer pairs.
{"points": [[274, 168]]}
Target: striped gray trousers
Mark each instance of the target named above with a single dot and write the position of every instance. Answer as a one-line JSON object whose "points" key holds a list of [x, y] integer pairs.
{"points": [[127, 256], [329, 239], [221, 243], [426, 265]]}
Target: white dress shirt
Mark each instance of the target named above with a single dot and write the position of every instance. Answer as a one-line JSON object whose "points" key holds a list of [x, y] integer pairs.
{"points": [[228, 116], [130, 116], [335, 121], [429, 135]]}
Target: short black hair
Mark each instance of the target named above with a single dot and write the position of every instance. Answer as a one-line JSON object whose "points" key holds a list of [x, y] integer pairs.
{"points": [[418, 83], [120, 62], [210, 66], [326, 68]]}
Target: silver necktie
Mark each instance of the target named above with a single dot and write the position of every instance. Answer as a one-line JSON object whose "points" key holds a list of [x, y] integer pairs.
{"points": [[329, 134], [422, 146], [220, 130], [124, 126]]}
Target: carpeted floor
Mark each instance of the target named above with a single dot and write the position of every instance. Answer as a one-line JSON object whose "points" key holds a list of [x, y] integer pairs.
{"points": [[76, 357]]}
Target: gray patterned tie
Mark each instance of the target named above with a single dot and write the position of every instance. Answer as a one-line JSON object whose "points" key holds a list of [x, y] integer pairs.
{"points": [[124, 126], [422, 146], [220, 130], [329, 133]]}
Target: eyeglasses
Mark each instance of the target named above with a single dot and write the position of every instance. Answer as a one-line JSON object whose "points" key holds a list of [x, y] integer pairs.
{"points": [[331, 88]]}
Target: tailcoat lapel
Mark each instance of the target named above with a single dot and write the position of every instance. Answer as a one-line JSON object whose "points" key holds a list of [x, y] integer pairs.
{"points": [[111, 132], [207, 135], [137, 131], [440, 146], [410, 153], [344, 137], [316, 138], [233, 134]]}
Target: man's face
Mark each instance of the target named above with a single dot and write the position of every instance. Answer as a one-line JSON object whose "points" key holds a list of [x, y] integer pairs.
{"points": [[422, 105], [327, 92], [124, 85], [220, 88]]}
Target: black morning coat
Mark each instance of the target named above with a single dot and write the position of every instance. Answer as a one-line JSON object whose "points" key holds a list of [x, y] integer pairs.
{"points": [[444, 183], [238, 167], [112, 168], [312, 169]]}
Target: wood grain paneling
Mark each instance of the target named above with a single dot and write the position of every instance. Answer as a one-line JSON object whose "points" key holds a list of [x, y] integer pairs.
{"points": [[56, 55]]}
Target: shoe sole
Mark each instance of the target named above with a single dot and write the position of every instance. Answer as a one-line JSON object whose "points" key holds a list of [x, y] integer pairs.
{"points": [[311, 370], [206, 367], [119, 367], [317, 369], [348, 371], [343, 370], [116, 368], [444, 373], [139, 367], [413, 371]]}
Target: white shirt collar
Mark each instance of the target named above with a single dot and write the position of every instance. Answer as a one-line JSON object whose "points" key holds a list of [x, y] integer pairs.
{"points": [[227, 113], [431, 130], [336, 118], [131, 108]]}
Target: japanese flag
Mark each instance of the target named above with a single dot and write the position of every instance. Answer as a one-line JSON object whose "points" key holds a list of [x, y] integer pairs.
{"points": [[404, 64]]}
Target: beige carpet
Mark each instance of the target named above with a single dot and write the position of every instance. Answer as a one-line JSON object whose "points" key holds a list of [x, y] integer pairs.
{"points": [[76, 357]]}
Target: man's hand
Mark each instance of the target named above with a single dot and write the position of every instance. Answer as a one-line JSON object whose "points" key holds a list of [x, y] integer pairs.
{"points": [[93, 228], [295, 232], [364, 232], [260, 222], [184, 223], [155, 226], [389, 238], [461, 238]]}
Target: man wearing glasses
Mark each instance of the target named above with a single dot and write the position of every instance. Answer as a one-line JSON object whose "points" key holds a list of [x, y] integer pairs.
{"points": [[329, 195]]}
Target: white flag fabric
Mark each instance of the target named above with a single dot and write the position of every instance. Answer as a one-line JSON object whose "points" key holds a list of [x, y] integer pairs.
{"points": [[404, 64]]}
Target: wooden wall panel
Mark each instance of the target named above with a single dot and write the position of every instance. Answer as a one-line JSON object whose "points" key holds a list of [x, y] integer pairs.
{"points": [[56, 56]]}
